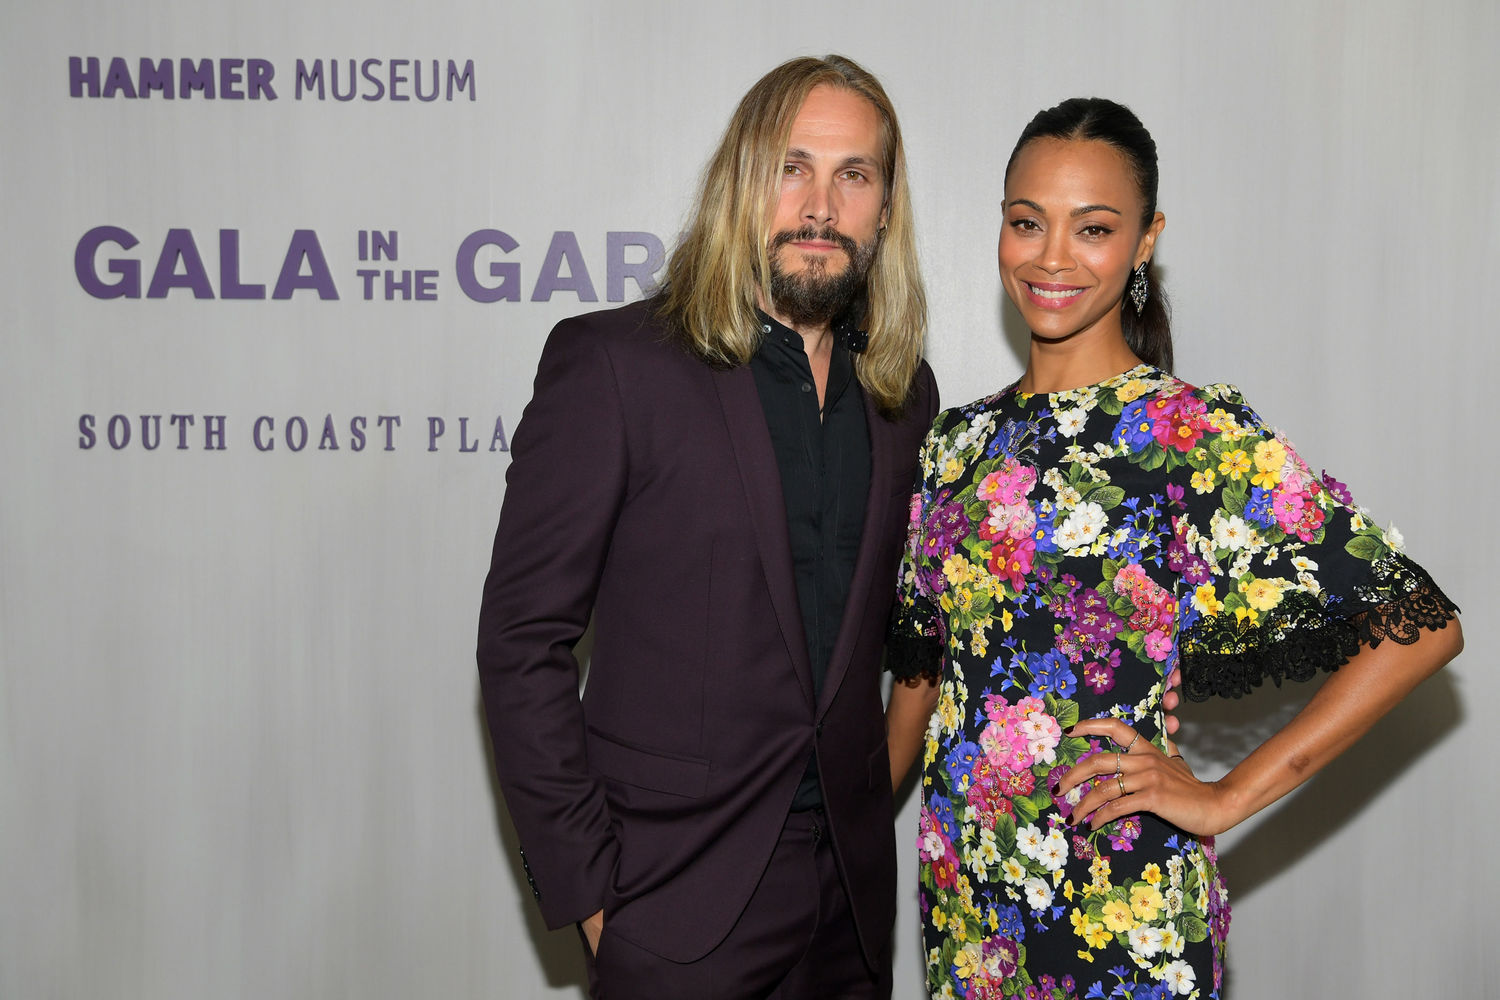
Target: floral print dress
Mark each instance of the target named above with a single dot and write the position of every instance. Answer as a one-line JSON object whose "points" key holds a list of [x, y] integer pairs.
{"points": [[1066, 552]]}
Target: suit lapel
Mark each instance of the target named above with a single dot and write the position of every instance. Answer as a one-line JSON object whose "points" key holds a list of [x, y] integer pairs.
{"points": [[876, 517], [745, 420]]}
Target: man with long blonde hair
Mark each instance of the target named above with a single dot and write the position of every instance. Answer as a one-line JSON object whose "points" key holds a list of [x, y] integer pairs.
{"points": [[719, 476]]}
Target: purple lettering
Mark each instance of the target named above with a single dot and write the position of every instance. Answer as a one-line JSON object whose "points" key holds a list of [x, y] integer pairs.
{"points": [[118, 80], [229, 80], [150, 431], [357, 434], [229, 269], [394, 284], [304, 246], [261, 72], [509, 272], [179, 245], [564, 247], [368, 276], [437, 86], [296, 434], [396, 78], [497, 440], [333, 81], [83, 76], [435, 428], [213, 432], [464, 444], [86, 436], [197, 76], [157, 76], [426, 286], [365, 71], [260, 443], [181, 421], [330, 440], [390, 424], [617, 268], [461, 80], [306, 79], [119, 438], [129, 271]]}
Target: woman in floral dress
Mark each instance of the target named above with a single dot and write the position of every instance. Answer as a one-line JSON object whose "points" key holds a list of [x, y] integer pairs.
{"points": [[1076, 538]]}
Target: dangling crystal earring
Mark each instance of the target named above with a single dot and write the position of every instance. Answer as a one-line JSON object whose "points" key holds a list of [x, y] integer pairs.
{"points": [[1140, 288]]}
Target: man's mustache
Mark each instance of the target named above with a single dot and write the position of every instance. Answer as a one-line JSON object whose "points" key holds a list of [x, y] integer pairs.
{"points": [[827, 234]]}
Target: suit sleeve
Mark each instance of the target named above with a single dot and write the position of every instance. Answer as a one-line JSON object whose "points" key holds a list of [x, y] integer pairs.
{"points": [[564, 490]]}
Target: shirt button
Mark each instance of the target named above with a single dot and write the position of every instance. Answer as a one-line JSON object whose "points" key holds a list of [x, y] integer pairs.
{"points": [[765, 329], [807, 387]]}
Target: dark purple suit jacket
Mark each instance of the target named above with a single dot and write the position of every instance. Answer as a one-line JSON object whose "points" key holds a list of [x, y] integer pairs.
{"points": [[643, 489]]}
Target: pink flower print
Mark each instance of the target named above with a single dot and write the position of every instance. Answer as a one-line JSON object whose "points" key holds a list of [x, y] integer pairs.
{"points": [[1177, 420], [1008, 484], [1286, 507], [1158, 645]]}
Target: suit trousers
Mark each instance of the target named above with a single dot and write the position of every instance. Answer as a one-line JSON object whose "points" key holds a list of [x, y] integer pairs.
{"points": [[795, 940]]}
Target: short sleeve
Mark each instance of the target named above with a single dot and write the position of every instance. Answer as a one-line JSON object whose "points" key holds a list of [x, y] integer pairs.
{"points": [[915, 639], [1282, 574]]}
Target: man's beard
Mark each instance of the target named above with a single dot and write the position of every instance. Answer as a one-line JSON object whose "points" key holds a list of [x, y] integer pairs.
{"points": [[813, 296]]}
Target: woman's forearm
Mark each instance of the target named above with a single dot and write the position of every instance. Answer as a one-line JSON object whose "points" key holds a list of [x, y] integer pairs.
{"points": [[1350, 701], [911, 705]]}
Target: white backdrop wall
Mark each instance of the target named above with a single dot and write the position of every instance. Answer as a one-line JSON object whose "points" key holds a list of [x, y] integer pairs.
{"points": [[241, 753]]}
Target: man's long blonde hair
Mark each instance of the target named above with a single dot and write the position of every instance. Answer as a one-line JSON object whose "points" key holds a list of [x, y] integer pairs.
{"points": [[709, 294]]}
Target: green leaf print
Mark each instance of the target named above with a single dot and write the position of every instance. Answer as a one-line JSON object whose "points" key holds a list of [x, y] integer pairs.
{"points": [[1107, 496], [1366, 547], [1026, 810], [1192, 927]]}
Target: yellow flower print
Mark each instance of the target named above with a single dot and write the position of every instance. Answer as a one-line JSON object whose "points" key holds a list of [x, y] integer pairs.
{"points": [[1068, 890], [978, 643], [952, 469], [1145, 901], [1096, 936], [1270, 456], [1206, 600], [939, 917], [1152, 873], [1131, 390], [1243, 615], [1006, 619], [1117, 916], [994, 920], [966, 962], [1203, 482], [1234, 464], [1262, 595], [1080, 920], [957, 569], [1087, 956]]}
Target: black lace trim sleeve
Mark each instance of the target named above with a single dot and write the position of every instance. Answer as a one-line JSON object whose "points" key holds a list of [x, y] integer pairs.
{"points": [[913, 645], [1225, 658]]}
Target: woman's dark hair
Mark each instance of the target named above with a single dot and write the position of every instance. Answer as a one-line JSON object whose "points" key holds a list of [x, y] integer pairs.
{"points": [[1148, 335]]}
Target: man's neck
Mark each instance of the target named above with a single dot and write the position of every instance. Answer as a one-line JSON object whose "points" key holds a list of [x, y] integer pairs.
{"points": [[817, 338]]}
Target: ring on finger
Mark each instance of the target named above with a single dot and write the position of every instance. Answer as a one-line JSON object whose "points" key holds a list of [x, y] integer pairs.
{"points": [[1120, 780], [1117, 763], [1132, 741]]}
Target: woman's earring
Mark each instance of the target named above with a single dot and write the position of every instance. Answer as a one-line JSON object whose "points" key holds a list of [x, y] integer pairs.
{"points": [[1140, 288]]}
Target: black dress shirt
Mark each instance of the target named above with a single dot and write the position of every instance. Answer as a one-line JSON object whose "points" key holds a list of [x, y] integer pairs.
{"points": [[824, 460]]}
